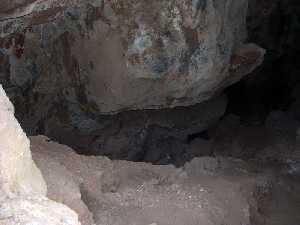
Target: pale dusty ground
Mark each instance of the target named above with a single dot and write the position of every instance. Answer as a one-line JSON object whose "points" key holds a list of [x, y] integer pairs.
{"points": [[206, 191]]}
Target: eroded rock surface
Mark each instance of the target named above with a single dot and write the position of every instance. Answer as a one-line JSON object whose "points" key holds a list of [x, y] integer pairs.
{"points": [[22, 187], [107, 57], [39, 211], [19, 175], [66, 63]]}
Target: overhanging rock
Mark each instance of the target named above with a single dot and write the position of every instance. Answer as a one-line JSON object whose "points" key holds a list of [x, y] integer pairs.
{"points": [[111, 56]]}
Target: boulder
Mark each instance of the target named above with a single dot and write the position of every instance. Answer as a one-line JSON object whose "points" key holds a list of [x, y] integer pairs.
{"points": [[66, 64], [115, 56]]}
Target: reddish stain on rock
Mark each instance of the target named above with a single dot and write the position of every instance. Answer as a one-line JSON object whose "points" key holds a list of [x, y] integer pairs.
{"points": [[15, 42], [19, 45]]}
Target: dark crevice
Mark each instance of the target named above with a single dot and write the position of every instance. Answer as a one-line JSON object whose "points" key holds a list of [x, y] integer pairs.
{"points": [[203, 135]]}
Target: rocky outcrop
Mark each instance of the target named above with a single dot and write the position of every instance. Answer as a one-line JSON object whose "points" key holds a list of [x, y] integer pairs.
{"points": [[141, 55], [22, 187], [66, 63], [19, 175], [106, 57]]}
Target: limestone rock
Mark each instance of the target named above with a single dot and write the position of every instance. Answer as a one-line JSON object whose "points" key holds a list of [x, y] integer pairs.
{"points": [[18, 173], [38, 211], [22, 187]]}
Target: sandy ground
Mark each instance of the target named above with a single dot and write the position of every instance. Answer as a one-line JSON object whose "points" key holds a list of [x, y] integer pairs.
{"points": [[208, 191]]}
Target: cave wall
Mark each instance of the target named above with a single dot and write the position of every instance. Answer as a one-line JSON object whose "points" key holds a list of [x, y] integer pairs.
{"points": [[67, 64], [130, 55]]}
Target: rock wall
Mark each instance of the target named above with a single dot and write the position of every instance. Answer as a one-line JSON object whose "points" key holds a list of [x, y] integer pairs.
{"points": [[66, 63], [116, 56]]}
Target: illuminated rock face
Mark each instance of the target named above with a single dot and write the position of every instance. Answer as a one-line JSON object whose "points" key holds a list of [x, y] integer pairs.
{"points": [[22, 187], [19, 174], [36, 211]]}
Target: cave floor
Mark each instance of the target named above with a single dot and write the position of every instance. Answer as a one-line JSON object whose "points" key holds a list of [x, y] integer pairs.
{"points": [[207, 190]]}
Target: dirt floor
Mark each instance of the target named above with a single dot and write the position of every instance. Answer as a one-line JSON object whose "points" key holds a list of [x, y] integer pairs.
{"points": [[205, 191]]}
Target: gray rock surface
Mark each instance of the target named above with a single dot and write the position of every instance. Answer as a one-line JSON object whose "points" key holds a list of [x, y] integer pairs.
{"points": [[116, 56]]}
